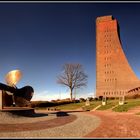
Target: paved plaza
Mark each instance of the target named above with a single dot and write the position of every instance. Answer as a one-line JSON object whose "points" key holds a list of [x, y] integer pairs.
{"points": [[73, 124]]}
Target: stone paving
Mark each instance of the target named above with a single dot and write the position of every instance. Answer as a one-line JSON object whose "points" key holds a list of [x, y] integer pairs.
{"points": [[75, 125], [116, 125], [90, 124]]}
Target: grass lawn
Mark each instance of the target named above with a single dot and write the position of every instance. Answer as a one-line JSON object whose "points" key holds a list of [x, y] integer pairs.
{"points": [[130, 103], [93, 104], [110, 104], [71, 106], [74, 106]]}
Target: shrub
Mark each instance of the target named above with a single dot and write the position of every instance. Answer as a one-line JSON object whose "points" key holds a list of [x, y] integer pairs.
{"points": [[91, 98], [135, 96], [48, 104], [76, 101], [96, 99], [82, 100], [100, 98]]}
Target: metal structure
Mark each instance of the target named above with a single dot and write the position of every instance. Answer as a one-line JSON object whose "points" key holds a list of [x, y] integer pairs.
{"points": [[13, 96]]}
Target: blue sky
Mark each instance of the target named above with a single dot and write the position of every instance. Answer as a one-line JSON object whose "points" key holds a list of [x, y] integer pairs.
{"points": [[38, 38]]}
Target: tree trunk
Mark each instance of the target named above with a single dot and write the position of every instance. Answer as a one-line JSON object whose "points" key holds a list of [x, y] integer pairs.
{"points": [[71, 94]]}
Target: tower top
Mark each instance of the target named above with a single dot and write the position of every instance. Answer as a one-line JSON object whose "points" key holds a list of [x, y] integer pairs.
{"points": [[104, 18]]}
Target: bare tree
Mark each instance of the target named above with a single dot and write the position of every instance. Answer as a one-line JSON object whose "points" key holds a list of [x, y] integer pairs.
{"points": [[73, 77]]}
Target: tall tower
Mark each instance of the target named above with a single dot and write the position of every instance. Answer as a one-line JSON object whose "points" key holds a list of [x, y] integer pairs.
{"points": [[114, 76]]}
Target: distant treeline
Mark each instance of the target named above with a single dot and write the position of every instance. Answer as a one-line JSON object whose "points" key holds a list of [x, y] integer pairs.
{"points": [[58, 102], [48, 104]]}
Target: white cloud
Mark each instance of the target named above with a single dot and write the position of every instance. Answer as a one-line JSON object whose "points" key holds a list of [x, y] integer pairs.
{"points": [[85, 95], [48, 96]]}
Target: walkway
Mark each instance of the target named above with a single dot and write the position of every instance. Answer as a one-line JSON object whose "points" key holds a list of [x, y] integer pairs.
{"points": [[94, 124], [116, 125], [76, 124]]}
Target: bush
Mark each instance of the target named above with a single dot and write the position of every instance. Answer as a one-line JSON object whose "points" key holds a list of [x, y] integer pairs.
{"points": [[41, 104], [82, 100], [96, 99], [48, 104], [91, 98], [111, 98], [76, 101], [100, 98], [135, 96]]}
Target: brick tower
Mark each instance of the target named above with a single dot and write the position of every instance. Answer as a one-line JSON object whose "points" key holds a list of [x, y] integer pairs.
{"points": [[114, 76]]}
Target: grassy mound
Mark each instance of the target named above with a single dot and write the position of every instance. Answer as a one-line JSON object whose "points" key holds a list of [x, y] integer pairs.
{"points": [[93, 104], [109, 105], [68, 105], [127, 105]]}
